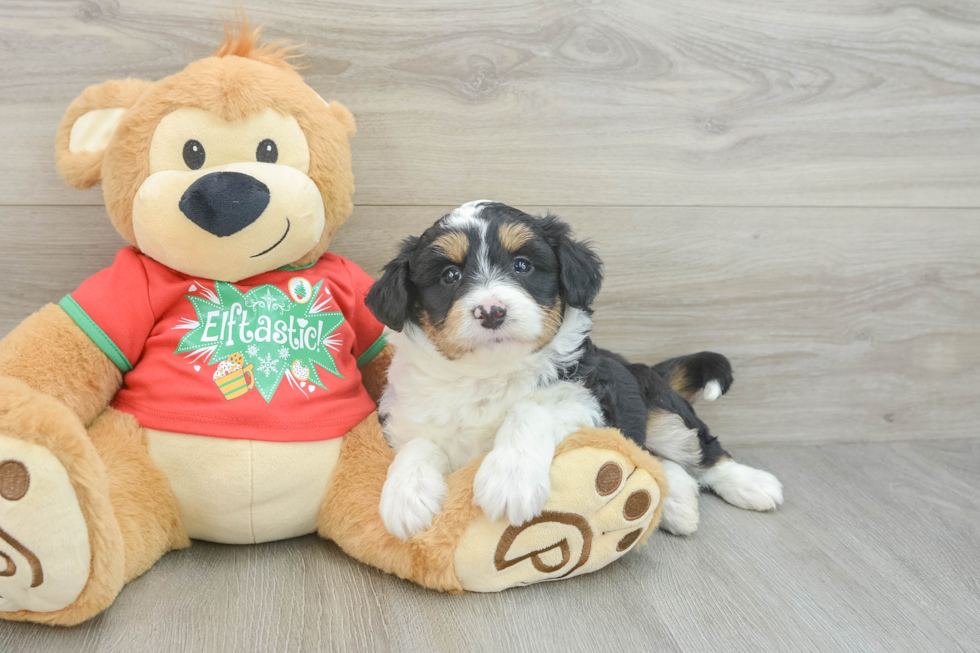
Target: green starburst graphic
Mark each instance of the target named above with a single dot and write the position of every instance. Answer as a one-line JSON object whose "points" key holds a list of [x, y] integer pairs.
{"points": [[268, 329]]}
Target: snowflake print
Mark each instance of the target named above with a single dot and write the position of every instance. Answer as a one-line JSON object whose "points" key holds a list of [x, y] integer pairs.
{"points": [[252, 350], [283, 352], [268, 364]]}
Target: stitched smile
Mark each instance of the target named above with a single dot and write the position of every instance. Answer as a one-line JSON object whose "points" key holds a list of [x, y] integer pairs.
{"points": [[277, 242]]}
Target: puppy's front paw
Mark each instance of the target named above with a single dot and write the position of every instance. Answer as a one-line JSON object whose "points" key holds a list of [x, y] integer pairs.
{"points": [[513, 485], [409, 501]]}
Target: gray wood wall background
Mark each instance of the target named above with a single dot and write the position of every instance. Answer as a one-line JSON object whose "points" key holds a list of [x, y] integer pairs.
{"points": [[793, 184]]}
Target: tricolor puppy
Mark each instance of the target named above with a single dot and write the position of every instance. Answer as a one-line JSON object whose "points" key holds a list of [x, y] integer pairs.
{"points": [[491, 309]]}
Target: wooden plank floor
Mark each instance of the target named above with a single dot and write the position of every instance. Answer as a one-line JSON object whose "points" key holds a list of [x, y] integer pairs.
{"points": [[794, 184], [874, 550]]}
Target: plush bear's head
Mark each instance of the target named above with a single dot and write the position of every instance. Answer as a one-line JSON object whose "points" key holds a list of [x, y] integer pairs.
{"points": [[230, 168]]}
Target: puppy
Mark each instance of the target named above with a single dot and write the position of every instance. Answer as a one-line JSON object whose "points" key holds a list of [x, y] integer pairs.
{"points": [[491, 313]]}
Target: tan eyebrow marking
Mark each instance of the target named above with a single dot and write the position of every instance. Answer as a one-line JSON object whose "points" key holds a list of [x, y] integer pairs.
{"points": [[513, 235], [454, 245]]}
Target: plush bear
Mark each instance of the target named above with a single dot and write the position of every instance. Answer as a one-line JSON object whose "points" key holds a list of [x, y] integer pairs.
{"points": [[218, 380]]}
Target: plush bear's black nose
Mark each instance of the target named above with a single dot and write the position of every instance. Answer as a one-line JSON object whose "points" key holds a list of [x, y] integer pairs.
{"points": [[224, 203]]}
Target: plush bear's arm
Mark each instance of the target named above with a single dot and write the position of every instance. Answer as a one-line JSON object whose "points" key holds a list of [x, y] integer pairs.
{"points": [[53, 356], [374, 375]]}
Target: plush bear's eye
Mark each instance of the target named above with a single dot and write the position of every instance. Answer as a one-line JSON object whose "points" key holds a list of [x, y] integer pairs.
{"points": [[193, 154], [267, 152]]}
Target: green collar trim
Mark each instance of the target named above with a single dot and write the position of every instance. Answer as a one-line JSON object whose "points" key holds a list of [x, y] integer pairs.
{"points": [[293, 268], [372, 351]]}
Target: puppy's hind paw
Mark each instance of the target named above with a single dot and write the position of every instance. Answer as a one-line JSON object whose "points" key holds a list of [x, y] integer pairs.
{"points": [[744, 486], [681, 514]]}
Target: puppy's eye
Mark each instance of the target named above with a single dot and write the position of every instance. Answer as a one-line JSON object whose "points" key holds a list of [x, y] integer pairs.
{"points": [[267, 152], [451, 276], [193, 154], [522, 266]]}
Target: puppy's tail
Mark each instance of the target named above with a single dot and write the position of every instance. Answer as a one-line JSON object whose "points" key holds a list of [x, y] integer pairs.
{"points": [[705, 374]]}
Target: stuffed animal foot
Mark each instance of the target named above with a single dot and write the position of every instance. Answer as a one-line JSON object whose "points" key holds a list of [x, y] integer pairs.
{"points": [[51, 484], [43, 537], [606, 497]]}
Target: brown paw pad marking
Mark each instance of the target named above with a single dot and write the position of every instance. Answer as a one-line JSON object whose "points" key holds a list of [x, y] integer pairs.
{"points": [[14, 482], [628, 540], [501, 561], [608, 479], [637, 505]]}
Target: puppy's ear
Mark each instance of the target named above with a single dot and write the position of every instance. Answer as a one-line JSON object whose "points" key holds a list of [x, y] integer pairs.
{"points": [[581, 267], [87, 127], [390, 297]]}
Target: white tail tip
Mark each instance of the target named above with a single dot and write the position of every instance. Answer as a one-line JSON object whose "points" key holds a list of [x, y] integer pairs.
{"points": [[712, 390]]}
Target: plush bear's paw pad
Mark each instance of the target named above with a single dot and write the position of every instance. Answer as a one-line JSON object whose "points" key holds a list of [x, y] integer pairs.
{"points": [[600, 506], [44, 547]]}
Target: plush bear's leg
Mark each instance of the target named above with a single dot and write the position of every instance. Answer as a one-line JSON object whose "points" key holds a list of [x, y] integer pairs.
{"points": [[142, 501], [64, 554], [606, 497], [349, 514]]}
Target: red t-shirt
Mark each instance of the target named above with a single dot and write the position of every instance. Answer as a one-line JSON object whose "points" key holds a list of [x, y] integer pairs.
{"points": [[273, 357]]}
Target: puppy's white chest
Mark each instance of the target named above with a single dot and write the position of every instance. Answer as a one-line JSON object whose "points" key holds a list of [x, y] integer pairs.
{"points": [[461, 416]]}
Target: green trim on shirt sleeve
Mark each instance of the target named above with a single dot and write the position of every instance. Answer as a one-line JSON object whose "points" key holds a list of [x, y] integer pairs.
{"points": [[95, 332], [372, 351]]}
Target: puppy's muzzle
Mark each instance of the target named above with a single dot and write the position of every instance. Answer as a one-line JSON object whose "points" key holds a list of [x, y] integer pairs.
{"points": [[224, 203], [491, 314]]}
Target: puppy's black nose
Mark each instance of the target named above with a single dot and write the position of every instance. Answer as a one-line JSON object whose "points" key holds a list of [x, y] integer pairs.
{"points": [[490, 317], [224, 203]]}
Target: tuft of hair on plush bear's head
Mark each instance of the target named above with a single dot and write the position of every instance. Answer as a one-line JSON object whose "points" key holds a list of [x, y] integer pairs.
{"points": [[243, 41], [224, 170]]}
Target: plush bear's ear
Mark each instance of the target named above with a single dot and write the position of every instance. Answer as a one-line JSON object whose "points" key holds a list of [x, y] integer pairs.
{"points": [[343, 116], [390, 297], [88, 126], [581, 267]]}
